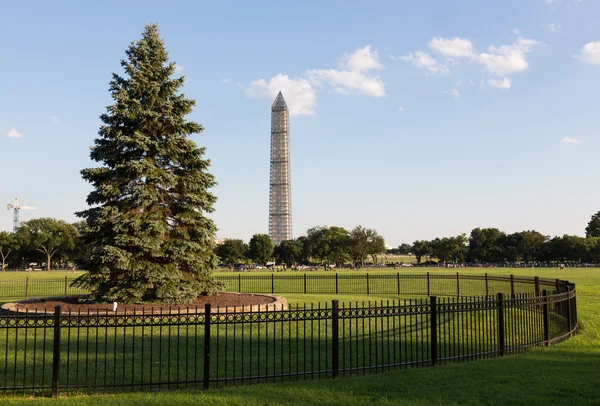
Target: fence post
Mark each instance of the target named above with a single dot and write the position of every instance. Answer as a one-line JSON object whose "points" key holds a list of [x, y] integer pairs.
{"points": [[56, 352], [512, 286], [557, 284], [272, 283], [65, 286], [206, 380], [546, 326], [336, 283], [428, 285], [240, 283], [27, 288], [305, 283], [500, 306], [368, 290], [457, 285], [536, 280], [487, 289], [335, 338], [568, 305], [398, 278], [434, 341]]}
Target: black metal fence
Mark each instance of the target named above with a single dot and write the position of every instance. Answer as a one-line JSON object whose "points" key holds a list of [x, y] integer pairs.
{"points": [[43, 354], [396, 283]]}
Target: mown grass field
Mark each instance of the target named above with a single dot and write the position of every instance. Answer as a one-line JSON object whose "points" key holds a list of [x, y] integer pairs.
{"points": [[560, 374]]}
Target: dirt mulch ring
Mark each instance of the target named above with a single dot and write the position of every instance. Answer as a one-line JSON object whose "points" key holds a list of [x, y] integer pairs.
{"points": [[222, 302]]}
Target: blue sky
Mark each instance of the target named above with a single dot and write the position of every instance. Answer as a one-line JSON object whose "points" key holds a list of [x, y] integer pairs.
{"points": [[419, 119]]}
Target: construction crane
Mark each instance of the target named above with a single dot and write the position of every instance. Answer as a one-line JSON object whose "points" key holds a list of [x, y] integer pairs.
{"points": [[16, 207]]}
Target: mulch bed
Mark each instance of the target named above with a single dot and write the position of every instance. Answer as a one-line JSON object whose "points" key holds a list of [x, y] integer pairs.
{"points": [[72, 304]]}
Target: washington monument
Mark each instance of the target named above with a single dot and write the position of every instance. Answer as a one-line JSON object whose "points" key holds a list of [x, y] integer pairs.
{"points": [[280, 191]]}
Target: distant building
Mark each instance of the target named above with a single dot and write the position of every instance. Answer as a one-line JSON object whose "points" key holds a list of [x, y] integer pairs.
{"points": [[280, 191]]}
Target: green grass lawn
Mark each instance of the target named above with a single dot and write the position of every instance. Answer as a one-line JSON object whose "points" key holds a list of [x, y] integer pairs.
{"points": [[565, 373]]}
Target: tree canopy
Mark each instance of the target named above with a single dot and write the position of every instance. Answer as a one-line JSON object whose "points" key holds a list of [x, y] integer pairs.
{"points": [[260, 248], [8, 243], [232, 251], [149, 235], [593, 227], [48, 236], [289, 252]]}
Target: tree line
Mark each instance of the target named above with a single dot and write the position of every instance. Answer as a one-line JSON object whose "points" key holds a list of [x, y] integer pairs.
{"points": [[490, 245], [324, 245], [43, 241]]}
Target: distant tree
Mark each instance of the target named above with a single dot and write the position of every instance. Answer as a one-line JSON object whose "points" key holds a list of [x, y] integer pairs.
{"points": [[365, 242], [568, 248], [289, 252], [82, 251], [48, 236], [421, 248], [508, 244], [450, 249], [376, 247], [260, 249], [8, 243], [339, 245], [484, 245], [404, 249], [530, 245], [319, 243], [150, 237], [593, 249], [593, 227], [306, 249], [232, 252]]}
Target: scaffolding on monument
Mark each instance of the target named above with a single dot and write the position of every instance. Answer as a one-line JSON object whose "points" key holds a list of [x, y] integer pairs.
{"points": [[280, 191]]}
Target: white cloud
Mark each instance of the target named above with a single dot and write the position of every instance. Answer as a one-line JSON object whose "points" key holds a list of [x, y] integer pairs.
{"points": [[300, 94], [554, 27], [424, 61], [354, 76], [362, 60], [455, 47], [590, 53], [226, 81], [55, 119], [497, 61], [300, 97], [507, 59], [178, 68], [454, 92], [400, 109], [13, 133], [516, 31], [505, 83], [574, 141]]}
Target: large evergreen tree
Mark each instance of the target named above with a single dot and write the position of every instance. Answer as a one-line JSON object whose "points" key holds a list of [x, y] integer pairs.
{"points": [[148, 231]]}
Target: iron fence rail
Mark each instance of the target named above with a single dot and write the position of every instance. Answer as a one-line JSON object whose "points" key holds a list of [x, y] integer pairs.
{"points": [[66, 352], [400, 284]]}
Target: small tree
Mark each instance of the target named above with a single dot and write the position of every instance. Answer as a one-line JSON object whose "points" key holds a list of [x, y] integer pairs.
{"points": [[260, 249], [593, 227], [421, 248], [365, 242], [231, 252], [289, 252], [404, 249], [8, 243], [148, 231], [48, 236]]}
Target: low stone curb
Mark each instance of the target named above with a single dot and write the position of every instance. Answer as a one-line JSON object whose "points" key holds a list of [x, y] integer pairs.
{"points": [[279, 303]]}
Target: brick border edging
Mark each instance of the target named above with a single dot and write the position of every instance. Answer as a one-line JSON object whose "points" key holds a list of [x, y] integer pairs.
{"points": [[280, 303]]}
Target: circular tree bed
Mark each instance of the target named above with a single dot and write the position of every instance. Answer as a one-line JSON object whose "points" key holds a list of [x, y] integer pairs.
{"points": [[221, 303]]}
